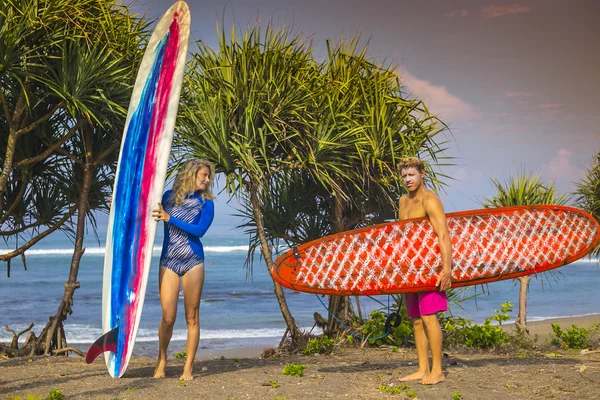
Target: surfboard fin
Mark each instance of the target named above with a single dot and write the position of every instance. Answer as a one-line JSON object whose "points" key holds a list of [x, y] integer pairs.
{"points": [[106, 342]]}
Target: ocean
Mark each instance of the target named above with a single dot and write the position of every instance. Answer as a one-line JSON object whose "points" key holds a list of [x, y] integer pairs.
{"points": [[238, 310]]}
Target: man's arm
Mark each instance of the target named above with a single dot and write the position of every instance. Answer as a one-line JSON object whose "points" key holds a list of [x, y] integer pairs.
{"points": [[435, 211]]}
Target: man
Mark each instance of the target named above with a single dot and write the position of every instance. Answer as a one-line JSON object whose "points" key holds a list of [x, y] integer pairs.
{"points": [[422, 307]]}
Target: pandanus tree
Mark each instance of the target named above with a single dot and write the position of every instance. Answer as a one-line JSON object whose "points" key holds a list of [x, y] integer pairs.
{"points": [[365, 125], [588, 193], [308, 147], [66, 73], [523, 190], [245, 107]]}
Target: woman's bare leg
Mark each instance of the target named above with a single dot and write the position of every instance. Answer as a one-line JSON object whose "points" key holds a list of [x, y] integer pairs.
{"points": [[168, 288], [193, 281]]}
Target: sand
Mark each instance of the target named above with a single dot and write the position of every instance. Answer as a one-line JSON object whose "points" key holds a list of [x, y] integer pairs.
{"points": [[349, 373]]}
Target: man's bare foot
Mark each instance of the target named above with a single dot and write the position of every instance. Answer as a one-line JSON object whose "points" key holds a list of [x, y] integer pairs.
{"points": [[413, 377], [187, 374], [432, 379], [159, 371]]}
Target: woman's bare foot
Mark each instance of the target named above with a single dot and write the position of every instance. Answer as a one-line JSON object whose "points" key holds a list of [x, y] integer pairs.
{"points": [[432, 379], [187, 374], [413, 377], [159, 371]]}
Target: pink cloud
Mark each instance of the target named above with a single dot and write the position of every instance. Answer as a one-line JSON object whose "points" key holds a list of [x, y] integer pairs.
{"points": [[457, 13], [439, 100], [561, 170], [501, 11], [549, 106], [516, 94]]}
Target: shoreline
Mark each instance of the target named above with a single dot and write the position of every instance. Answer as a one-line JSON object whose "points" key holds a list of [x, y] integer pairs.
{"points": [[543, 328]]}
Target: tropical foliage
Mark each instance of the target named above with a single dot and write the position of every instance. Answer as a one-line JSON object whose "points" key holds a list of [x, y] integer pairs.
{"points": [[523, 190], [307, 147], [66, 70], [588, 193]]}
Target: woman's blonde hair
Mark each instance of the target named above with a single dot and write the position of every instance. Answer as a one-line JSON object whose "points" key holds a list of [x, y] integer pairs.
{"points": [[185, 182]]}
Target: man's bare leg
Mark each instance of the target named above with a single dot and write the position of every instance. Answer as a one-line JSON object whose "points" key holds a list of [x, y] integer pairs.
{"points": [[422, 345], [435, 338]]}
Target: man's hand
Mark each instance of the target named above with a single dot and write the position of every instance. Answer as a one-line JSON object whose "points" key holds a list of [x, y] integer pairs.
{"points": [[160, 214], [444, 280]]}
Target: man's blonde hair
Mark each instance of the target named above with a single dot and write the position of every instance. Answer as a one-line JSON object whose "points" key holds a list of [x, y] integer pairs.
{"points": [[411, 162]]}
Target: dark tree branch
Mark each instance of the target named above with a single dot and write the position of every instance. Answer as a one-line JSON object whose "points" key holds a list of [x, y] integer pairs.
{"points": [[26, 246], [6, 111], [15, 203], [51, 149], [40, 121]]}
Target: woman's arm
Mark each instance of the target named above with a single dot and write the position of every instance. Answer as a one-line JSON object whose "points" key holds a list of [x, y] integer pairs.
{"points": [[199, 229]]}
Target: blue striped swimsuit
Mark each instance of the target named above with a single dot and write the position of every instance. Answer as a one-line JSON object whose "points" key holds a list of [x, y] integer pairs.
{"points": [[182, 248]]}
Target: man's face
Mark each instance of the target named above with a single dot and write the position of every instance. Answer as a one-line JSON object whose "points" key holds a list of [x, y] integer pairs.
{"points": [[412, 178]]}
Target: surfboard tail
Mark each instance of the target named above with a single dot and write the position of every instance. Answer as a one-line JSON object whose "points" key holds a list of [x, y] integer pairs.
{"points": [[106, 342]]}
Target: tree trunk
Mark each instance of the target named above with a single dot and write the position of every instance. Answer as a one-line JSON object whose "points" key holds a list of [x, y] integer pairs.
{"points": [[7, 167], [266, 252], [522, 318], [53, 334], [339, 306]]}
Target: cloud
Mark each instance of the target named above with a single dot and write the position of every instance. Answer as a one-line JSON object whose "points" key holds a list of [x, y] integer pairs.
{"points": [[442, 103], [457, 13], [516, 94], [561, 170], [550, 110], [501, 11], [549, 106]]}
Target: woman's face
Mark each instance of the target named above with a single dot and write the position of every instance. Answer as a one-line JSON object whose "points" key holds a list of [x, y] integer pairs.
{"points": [[202, 178]]}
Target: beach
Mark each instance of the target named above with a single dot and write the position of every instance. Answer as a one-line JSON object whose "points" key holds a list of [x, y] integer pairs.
{"points": [[348, 373], [240, 318]]}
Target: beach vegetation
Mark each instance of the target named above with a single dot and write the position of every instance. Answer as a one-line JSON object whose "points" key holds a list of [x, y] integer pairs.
{"points": [[395, 389], [308, 147], [294, 369], [56, 394], [66, 73], [29, 397], [461, 332], [181, 354], [319, 345], [457, 396], [374, 331], [588, 194], [524, 190], [574, 338], [274, 384]]}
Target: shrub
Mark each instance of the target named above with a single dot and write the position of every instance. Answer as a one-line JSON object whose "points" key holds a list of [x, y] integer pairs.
{"points": [[460, 331], [322, 345], [573, 338], [294, 369]]}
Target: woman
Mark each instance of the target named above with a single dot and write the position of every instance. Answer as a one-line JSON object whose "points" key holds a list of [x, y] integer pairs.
{"points": [[188, 212]]}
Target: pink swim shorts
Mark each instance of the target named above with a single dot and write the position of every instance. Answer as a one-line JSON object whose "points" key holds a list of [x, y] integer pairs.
{"points": [[425, 303]]}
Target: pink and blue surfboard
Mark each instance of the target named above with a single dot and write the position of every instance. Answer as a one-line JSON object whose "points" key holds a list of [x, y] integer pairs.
{"points": [[139, 184]]}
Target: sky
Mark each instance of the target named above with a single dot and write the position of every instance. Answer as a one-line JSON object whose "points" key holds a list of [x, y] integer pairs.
{"points": [[516, 82]]}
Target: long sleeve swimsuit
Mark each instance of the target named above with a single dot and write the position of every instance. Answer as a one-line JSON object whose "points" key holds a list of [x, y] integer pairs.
{"points": [[182, 248]]}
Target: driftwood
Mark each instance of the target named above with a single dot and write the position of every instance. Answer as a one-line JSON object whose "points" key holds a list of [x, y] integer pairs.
{"points": [[36, 345]]}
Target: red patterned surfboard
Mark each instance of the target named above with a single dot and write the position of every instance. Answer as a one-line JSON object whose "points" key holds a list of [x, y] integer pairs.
{"points": [[403, 256]]}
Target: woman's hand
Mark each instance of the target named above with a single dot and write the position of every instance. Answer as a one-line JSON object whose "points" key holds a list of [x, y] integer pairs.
{"points": [[160, 214]]}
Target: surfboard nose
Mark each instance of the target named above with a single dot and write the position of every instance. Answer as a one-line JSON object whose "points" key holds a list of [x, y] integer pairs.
{"points": [[106, 342]]}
